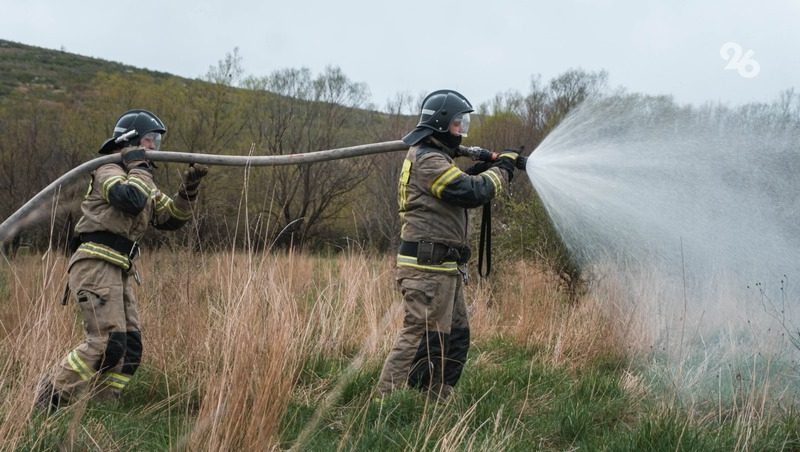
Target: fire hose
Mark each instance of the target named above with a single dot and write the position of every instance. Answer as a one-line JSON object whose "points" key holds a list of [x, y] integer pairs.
{"points": [[13, 223]]}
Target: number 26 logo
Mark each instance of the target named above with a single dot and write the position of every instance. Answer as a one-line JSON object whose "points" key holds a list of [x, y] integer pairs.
{"points": [[739, 60]]}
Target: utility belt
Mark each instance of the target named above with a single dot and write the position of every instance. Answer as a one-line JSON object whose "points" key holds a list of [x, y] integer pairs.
{"points": [[116, 242], [432, 253], [107, 246]]}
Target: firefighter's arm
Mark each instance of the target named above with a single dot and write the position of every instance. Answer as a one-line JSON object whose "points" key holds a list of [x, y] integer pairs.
{"points": [[172, 213], [127, 192], [442, 179]]}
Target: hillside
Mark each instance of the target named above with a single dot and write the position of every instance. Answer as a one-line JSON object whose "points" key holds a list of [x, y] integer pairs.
{"points": [[23, 67], [55, 107]]}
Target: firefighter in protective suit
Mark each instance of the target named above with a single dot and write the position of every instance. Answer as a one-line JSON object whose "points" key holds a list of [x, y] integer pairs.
{"points": [[430, 351], [122, 201]]}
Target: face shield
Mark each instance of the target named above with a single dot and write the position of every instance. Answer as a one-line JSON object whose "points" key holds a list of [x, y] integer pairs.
{"points": [[154, 138], [459, 126]]}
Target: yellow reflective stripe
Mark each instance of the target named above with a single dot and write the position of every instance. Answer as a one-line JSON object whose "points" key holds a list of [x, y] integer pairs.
{"points": [[410, 261], [114, 384], [132, 180], [109, 182], [162, 202], [122, 378], [445, 178], [176, 212], [79, 366], [405, 175], [140, 184], [89, 190], [105, 253], [116, 380], [495, 180]]}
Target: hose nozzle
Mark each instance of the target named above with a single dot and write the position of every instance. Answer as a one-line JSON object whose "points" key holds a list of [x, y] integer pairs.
{"points": [[521, 162], [485, 155]]}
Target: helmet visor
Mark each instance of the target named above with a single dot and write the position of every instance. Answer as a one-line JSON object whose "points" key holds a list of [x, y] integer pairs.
{"points": [[459, 126], [155, 139]]}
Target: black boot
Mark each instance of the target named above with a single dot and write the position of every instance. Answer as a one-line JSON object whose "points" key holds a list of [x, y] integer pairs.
{"points": [[47, 398]]}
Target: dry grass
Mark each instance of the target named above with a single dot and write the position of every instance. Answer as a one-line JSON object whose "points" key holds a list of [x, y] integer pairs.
{"points": [[227, 335], [33, 334], [235, 328], [527, 307]]}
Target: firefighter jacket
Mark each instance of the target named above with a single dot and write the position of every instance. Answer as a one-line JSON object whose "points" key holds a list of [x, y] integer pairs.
{"points": [[434, 195], [118, 208]]}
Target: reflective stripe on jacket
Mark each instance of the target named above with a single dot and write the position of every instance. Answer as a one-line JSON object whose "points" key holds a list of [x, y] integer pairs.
{"points": [[125, 204], [434, 196]]}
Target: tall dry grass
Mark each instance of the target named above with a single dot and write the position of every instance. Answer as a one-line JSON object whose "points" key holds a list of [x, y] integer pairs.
{"points": [[33, 336], [528, 307], [234, 330], [226, 336]]}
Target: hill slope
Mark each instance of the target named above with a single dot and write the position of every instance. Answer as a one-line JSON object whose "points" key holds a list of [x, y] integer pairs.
{"points": [[23, 67]]}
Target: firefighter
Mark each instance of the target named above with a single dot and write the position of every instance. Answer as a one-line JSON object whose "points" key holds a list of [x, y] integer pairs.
{"points": [[430, 351], [122, 201]]}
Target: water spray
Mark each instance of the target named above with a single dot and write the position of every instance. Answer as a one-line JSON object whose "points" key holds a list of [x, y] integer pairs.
{"points": [[686, 218]]}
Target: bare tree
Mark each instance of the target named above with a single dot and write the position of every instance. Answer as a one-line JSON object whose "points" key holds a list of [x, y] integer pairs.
{"points": [[212, 120], [31, 156], [378, 217], [293, 112]]}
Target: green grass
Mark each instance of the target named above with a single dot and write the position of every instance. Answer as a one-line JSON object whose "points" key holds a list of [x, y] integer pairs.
{"points": [[504, 389], [106, 424], [509, 399], [145, 419]]}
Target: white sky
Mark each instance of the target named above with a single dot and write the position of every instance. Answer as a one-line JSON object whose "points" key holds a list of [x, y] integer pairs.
{"points": [[479, 48]]}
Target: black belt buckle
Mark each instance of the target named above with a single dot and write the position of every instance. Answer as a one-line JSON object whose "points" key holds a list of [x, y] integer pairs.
{"points": [[425, 252], [464, 254]]}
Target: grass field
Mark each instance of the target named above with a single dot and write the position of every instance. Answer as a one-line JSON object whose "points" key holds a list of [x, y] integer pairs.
{"points": [[273, 352]]}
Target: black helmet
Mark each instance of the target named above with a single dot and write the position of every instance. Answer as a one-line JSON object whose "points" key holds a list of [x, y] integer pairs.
{"points": [[130, 128], [439, 108]]}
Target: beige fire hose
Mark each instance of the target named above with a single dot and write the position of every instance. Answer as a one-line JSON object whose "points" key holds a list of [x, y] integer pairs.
{"points": [[12, 224]]}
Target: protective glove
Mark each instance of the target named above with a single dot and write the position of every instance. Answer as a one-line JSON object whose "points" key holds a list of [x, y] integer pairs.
{"points": [[191, 181], [507, 161], [133, 157], [478, 168]]}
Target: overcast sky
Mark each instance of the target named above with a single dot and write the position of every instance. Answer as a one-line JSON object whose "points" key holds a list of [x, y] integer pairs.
{"points": [[480, 48]]}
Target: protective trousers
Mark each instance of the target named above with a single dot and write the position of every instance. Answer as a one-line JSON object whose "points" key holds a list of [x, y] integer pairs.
{"points": [[431, 348], [112, 350]]}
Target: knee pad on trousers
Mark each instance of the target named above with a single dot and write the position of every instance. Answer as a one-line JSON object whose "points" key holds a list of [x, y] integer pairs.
{"points": [[426, 368], [457, 355], [133, 352], [115, 350]]}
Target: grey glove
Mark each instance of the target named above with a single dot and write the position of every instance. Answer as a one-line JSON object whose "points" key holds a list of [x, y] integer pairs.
{"points": [[507, 161], [191, 181]]}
